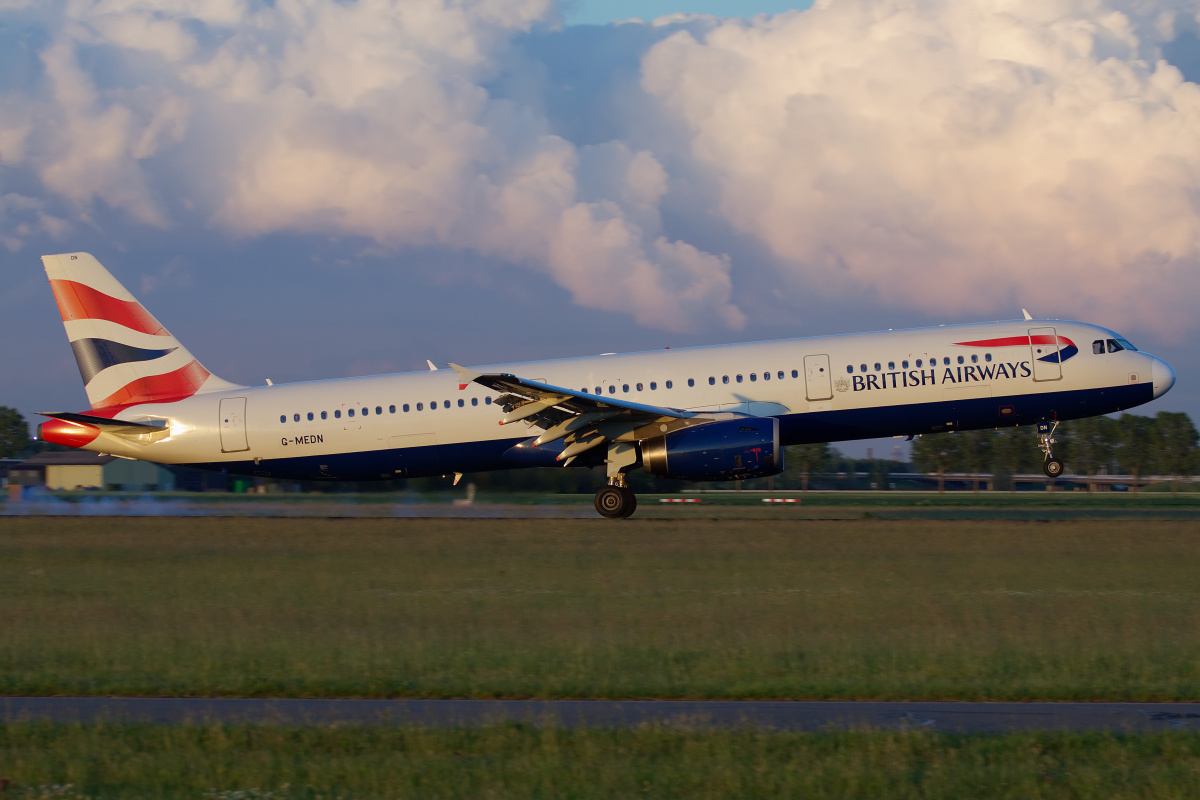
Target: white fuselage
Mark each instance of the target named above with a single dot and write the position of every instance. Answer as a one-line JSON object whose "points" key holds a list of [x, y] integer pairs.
{"points": [[822, 389]]}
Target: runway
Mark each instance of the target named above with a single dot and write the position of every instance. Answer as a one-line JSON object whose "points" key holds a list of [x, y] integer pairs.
{"points": [[946, 717]]}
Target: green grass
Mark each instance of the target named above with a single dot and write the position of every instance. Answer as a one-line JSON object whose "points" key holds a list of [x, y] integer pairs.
{"points": [[530, 762], [580, 608]]}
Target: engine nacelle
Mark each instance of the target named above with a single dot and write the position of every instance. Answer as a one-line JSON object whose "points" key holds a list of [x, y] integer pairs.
{"points": [[729, 450]]}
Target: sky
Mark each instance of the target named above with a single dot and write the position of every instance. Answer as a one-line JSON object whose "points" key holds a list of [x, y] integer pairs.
{"points": [[305, 189]]}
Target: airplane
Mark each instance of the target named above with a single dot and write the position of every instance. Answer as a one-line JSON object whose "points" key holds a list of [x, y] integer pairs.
{"points": [[715, 413]]}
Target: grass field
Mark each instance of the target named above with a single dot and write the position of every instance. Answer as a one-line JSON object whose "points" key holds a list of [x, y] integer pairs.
{"points": [[254, 763], [579, 608]]}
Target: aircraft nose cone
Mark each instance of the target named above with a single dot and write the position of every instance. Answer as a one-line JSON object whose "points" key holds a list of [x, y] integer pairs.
{"points": [[1164, 376]]}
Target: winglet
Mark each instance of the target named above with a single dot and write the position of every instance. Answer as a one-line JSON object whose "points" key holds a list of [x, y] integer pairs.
{"points": [[465, 376], [432, 366], [1026, 313]]}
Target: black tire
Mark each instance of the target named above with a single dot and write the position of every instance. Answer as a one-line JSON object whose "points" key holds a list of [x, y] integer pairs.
{"points": [[1052, 467], [613, 502], [630, 500]]}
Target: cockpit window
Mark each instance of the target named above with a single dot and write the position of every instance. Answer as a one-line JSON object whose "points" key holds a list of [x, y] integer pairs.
{"points": [[1114, 346], [1098, 347], [1125, 343]]}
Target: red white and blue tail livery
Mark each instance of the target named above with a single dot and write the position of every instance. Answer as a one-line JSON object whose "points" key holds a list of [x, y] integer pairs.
{"points": [[707, 413]]}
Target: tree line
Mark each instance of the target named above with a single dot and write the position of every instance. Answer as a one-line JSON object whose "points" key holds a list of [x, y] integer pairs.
{"points": [[1165, 444]]}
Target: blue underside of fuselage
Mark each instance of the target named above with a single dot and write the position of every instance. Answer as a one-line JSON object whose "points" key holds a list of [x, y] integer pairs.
{"points": [[818, 426]]}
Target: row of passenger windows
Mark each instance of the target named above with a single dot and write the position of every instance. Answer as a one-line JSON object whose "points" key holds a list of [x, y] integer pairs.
{"points": [[712, 381], [405, 408], [918, 363], [612, 389]]}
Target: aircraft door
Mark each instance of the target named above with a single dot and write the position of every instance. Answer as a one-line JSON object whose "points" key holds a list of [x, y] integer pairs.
{"points": [[233, 425], [817, 384], [1043, 345]]}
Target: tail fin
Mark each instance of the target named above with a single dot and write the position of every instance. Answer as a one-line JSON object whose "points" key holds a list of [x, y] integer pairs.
{"points": [[125, 355]]}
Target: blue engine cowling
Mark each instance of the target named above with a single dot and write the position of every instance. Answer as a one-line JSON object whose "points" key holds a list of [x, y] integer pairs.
{"points": [[729, 450]]}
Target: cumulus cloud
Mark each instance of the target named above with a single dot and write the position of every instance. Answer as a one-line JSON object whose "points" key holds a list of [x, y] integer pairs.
{"points": [[947, 155], [367, 118], [924, 154]]}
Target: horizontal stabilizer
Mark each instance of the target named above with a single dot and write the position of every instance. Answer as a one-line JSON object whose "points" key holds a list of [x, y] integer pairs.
{"points": [[106, 424]]}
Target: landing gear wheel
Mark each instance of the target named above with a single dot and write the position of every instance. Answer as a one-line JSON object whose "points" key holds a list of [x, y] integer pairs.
{"points": [[614, 501], [1052, 467], [630, 501]]}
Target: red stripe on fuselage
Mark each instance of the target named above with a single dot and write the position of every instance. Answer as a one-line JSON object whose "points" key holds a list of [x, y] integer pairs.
{"points": [[1017, 341], [80, 301], [167, 388]]}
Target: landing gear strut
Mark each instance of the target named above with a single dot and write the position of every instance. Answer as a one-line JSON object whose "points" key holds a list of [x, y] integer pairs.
{"points": [[1052, 466], [616, 501]]}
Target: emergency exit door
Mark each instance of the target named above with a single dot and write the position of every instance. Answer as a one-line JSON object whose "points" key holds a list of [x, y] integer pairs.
{"points": [[1043, 346], [233, 425], [817, 385]]}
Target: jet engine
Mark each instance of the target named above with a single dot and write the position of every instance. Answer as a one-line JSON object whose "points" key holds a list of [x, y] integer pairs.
{"points": [[719, 451]]}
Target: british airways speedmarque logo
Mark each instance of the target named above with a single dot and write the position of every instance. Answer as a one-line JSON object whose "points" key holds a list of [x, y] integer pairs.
{"points": [[1066, 348]]}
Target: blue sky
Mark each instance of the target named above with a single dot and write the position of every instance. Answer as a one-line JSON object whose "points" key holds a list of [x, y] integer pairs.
{"points": [[354, 188]]}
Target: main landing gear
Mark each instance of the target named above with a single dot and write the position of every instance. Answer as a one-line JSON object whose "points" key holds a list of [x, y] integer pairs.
{"points": [[1052, 466], [616, 501]]}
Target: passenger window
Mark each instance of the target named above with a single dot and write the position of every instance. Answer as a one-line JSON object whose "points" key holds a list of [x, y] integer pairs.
{"points": [[919, 362], [753, 377], [903, 365], [668, 384], [849, 369], [767, 376], [296, 417], [612, 388], [987, 356], [474, 401], [974, 358], [779, 375], [639, 387], [738, 378], [405, 408], [653, 386], [487, 401], [625, 388], [1098, 347], [795, 373], [946, 361], [379, 409], [891, 365], [391, 409], [461, 403], [310, 416], [725, 379], [324, 415], [877, 366], [960, 359], [1114, 346], [599, 390], [337, 414], [712, 381], [350, 412], [420, 406], [691, 382], [283, 417], [445, 404], [862, 367]]}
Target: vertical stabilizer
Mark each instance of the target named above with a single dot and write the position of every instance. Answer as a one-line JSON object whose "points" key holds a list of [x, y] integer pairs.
{"points": [[125, 355]]}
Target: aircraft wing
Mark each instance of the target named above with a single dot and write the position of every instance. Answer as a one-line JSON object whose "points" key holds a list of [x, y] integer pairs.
{"points": [[582, 420]]}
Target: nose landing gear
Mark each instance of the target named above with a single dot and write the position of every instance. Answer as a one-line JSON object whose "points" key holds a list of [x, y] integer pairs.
{"points": [[616, 500], [1052, 466]]}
